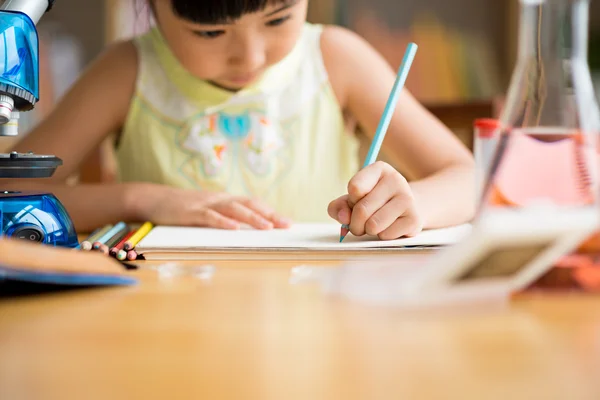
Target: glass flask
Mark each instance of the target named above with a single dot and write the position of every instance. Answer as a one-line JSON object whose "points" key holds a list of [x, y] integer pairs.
{"points": [[547, 139]]}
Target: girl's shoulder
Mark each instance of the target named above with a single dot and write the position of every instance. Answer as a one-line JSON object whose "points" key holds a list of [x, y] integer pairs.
{"points": [[111, 77], [343, 52], [124, 51], [120, 58]]}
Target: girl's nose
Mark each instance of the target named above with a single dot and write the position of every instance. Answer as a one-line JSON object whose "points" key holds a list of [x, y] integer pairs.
{"points": [[250, 55]]}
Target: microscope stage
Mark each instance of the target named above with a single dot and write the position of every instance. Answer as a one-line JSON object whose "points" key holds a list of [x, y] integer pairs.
{"points": [[28, 165]]}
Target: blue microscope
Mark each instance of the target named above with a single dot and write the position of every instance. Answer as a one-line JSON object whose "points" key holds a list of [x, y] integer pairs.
{"points": [[36, 217]]}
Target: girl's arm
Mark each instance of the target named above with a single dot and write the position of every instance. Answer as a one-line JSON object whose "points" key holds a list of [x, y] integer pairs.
{"points": [[95, 107], [437, 165]]}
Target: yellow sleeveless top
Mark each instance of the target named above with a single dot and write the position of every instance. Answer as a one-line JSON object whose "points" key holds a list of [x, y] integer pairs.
{"points": [[282, 139]]}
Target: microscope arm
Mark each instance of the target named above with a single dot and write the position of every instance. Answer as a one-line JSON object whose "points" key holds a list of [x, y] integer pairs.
{"points": [[19, 83], [19, 73]]}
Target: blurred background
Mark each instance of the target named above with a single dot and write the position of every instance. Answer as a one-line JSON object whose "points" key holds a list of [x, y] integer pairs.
{"points": [[467, 48]]}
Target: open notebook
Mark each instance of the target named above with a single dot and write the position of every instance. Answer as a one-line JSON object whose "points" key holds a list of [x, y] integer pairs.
{"points": [[300, 237]]}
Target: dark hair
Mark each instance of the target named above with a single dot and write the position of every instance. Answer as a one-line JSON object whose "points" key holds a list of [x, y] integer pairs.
{"points": [[219, 11]]}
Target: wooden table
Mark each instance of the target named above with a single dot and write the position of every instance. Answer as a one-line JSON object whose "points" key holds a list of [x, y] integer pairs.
{"points": [[247, 332]]}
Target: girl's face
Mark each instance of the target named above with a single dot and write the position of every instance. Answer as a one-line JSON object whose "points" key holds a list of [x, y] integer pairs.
{"points": [[233, 54]]}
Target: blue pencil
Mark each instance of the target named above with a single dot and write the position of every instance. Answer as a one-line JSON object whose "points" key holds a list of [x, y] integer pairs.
{"points": [[388, 112], [111, 232]]}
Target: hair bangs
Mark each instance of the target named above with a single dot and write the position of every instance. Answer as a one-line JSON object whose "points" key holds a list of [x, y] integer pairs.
{"points": [[219, 11]]}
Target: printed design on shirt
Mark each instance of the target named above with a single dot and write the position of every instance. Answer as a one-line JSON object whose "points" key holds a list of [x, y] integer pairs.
{"points": [[208, 144], [225, 145]]}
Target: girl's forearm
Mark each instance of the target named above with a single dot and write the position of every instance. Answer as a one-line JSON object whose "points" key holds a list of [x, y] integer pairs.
{"points": [[91, 205], [447, 197]]}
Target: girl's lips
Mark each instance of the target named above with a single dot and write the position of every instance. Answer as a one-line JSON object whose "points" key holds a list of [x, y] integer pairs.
{"points": [[242, 80]]}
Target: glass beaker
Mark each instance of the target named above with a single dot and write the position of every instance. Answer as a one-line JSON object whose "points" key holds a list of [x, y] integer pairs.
{"points": [[547, 149]]}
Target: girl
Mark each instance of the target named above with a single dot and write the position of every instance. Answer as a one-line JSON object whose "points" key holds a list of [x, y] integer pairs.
{"points": [[232, 111]]}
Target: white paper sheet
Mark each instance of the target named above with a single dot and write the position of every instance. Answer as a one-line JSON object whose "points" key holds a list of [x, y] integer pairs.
{"points": [[298, 237]]}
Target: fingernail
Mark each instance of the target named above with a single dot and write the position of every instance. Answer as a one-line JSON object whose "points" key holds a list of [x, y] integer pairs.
{"points": [[284, 221], [343, 216], [265, 224], [233, 225]]}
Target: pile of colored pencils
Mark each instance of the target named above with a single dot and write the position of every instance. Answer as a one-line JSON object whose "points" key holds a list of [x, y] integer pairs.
{"points": [[117, 240]]}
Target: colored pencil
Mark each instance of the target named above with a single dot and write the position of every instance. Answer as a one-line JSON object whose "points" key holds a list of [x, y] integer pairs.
{"points": [[103, 249], [110, 243], [122, 255], [388, 112], [132, 255], [137, 236], [87, 243], [119, 246], [117, 237], [108, 235]]}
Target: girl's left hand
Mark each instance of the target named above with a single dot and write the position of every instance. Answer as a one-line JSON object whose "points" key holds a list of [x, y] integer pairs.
{"points": [[380, 203]]}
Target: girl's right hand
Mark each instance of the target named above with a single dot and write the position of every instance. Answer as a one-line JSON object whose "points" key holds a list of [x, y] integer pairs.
{"points": [[165, 205]]}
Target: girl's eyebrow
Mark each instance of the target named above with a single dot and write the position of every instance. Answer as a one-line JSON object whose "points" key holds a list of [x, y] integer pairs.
{"points": [[284, 7]]}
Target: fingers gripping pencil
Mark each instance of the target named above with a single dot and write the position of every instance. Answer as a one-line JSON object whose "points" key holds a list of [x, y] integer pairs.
{"points": [[388, 112]]}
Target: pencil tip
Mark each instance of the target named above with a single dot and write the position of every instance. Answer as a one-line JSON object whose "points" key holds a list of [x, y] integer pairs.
{"points": [[343, 232]]}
